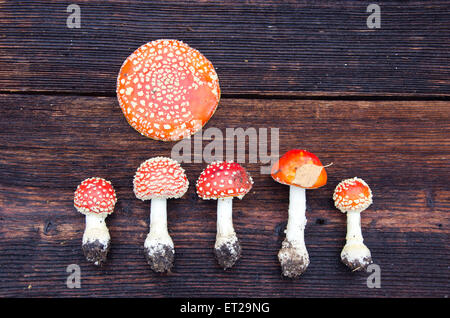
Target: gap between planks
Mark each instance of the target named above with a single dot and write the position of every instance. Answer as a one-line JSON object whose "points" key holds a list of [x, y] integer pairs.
{"points": [[266, 96]]}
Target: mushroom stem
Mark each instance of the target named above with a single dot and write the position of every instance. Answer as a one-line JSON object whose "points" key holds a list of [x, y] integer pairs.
{"points": [[96, 239], [158, 221], [227, 247], [297, 218], [224, 219], [354, 234], [355, 253], [159, 248], [293, 255]]}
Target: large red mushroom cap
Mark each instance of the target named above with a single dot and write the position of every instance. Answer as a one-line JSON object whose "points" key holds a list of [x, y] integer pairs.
{"points": [[300, 168], [167, 90], [95, 195], [223, 180], [352, 195], [160, 177]]}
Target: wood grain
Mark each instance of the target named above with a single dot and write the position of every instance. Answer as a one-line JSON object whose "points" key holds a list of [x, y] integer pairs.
{"points": [[48, 144], [301, 48]]}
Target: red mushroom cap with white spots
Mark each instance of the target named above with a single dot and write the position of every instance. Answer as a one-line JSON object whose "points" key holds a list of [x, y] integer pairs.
{"points": [[352, 195], [160, 177], [167, 90], [223, 180], [95, 195]]}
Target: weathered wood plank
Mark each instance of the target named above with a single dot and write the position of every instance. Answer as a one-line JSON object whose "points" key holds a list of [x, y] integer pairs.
{"points": [[48, 144], [258, 47]]}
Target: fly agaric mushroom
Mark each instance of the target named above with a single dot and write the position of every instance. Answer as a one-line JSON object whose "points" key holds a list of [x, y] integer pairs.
{"points": [[352, 196], [224, 181], [95, 198], [159, 179], [300, 170], [167, 90]]}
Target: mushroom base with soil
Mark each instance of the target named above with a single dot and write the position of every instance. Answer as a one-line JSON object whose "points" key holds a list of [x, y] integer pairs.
{"points": [[356, 256], [158, 246], [160, 257], [96, 239], [95, 252], [227, 248], [293, 262], [228, 253]]}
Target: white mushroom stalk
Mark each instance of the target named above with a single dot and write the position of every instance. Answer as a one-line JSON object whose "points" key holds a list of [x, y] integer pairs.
{"points": [[293, 254], [158, 222], [353, 196], [96, 230]]}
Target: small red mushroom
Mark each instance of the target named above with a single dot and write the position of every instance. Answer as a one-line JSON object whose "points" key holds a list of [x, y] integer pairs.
{"points": [[353, 196], [159, 179], [167, 90], [95, 198], [224, 181], [300, 170]]}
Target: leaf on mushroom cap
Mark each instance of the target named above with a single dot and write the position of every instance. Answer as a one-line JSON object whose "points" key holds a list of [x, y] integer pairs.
{"points": [[167, 90], [223, 180], [95, 195], [160, 177], [352, 195], [299, 168]]}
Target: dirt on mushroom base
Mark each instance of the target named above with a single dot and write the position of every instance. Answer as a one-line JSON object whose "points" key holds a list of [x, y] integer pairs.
{"points": [[96, 252], [160, 259], [293, 265], [227, 254], [356, 264]]}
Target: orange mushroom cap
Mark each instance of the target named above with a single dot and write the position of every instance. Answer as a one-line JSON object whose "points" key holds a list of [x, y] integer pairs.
{"points": [[299, 168], [160, 177], [167, 90], [352, 195], [223, 180], [95, 195]]}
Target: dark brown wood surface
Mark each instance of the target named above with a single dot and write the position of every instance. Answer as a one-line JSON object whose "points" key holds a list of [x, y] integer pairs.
{"points": [[51, 143], [299, 48], [375, 103]]}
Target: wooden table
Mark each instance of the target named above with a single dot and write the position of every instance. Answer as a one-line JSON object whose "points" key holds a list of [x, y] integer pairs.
{"points": [[375, 102]]}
